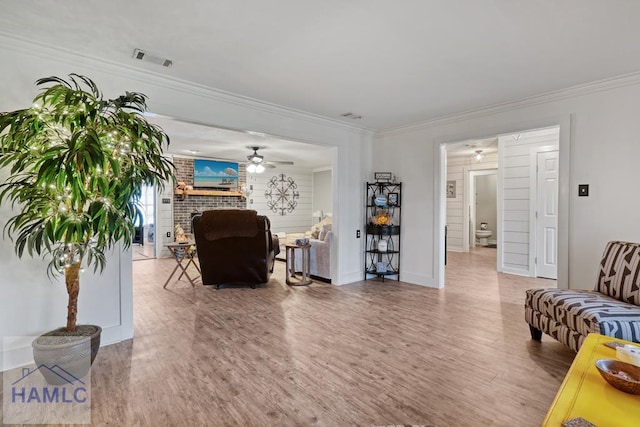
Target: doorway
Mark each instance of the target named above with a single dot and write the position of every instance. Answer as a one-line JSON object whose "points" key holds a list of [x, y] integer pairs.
{"points": [[144, 246], [483, 207], [529, 213]]}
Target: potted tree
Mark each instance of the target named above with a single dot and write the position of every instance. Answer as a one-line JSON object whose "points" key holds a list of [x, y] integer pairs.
{"points": [[77, 163]]}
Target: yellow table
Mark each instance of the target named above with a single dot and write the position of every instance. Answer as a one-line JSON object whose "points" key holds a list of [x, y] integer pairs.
{"points": [[584, 393]]}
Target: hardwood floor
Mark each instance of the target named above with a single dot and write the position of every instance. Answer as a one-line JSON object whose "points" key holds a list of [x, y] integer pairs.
{"points": [[369, 353]]}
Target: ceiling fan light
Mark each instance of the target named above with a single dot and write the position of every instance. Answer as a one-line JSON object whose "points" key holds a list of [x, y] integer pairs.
{"points": [[252, 168], [259, 168], [255, 157]]}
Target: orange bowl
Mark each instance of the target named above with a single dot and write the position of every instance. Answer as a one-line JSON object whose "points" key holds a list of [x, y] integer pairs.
{"points": [[623, 376]]}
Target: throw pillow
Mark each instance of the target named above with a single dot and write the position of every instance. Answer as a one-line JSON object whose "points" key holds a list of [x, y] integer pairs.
{"points": [[324, 230]]}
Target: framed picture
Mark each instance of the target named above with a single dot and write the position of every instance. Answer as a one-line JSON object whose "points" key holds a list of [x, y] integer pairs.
{"points": [[382, 176], [392, 199], [451, 189], [215, 174]]}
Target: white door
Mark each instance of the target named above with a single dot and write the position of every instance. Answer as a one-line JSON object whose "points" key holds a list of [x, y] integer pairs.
{"points": [[547, 215]]}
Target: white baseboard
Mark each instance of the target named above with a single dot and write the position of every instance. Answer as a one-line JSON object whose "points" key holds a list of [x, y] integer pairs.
{"points": [[515, 271], [418, 279], [347, 278]]}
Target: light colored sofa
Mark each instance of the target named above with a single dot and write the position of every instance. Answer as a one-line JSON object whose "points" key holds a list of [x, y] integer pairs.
{"points": [[320, 238], [320, 256], [612, 308]]}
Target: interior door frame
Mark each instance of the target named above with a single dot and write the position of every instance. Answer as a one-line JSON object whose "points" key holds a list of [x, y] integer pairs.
{"points": [[479, 132]]}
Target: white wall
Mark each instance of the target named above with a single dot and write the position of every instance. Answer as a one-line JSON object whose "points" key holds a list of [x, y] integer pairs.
{"points": [[322, 193], [458, 168], [30, 305], [164, 220], [297, 221], [599, 145], [518, 173]]}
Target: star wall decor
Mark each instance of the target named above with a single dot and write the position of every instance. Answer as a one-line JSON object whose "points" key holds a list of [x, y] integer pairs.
{"points": [[282, 194]]}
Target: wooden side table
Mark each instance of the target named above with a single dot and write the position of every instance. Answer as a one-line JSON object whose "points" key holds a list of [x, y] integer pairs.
{"points": [[180, 252], [584, 393], [291, 277]]}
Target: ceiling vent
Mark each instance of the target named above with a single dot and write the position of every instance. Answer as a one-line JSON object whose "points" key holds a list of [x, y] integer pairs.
{"points": [[351, 116], [141, 55]]}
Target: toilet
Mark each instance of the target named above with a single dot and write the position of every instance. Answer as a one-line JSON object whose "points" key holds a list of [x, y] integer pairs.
{"points": [[483, 237]]}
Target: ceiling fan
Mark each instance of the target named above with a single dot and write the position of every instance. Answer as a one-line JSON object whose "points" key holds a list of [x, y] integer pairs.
{"points": [[257, 164]]}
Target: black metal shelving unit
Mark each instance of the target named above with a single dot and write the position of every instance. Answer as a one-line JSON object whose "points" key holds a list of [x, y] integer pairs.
{"points": [[381, 264]]}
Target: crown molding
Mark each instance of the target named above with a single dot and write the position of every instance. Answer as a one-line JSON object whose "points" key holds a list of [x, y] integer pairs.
{"points": [[558, 95], [65, 56]]}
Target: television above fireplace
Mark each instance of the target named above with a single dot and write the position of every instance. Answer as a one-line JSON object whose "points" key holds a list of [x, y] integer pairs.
{"points": [[215, 174]]}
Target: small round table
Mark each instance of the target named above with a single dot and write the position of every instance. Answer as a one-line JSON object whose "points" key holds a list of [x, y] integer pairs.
{"points": [[291, 277]]}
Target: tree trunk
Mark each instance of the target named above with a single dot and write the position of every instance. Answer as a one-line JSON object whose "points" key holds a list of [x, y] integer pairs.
{"points": [[71, 276]]}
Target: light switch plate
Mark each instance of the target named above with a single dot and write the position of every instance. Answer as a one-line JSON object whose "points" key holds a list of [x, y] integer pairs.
{"points": [[583, 190]]}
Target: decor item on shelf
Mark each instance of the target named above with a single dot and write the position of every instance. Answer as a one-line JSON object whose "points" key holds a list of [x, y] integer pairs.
{"points": [[77, 164], [392, 199], [380, 200], [382, 176], [182, 186], [381, 267], [382, 218], [382, 245]]}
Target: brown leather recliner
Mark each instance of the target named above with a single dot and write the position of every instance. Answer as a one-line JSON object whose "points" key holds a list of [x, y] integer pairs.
{"points": [[235, 246]]}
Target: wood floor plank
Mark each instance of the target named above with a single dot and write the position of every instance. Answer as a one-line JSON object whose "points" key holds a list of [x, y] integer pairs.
{"points": [[368, 353]]}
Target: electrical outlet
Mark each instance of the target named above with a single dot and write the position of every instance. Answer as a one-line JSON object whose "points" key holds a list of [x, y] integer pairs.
{"points": [[357, 234], [168, 234]]}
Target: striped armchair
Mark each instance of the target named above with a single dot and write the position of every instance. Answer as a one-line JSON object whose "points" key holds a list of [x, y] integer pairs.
{"points": [[612, 308]]}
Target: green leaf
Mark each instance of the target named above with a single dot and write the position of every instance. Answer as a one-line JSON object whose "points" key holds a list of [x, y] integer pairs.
{"points": [[64, 158]]}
